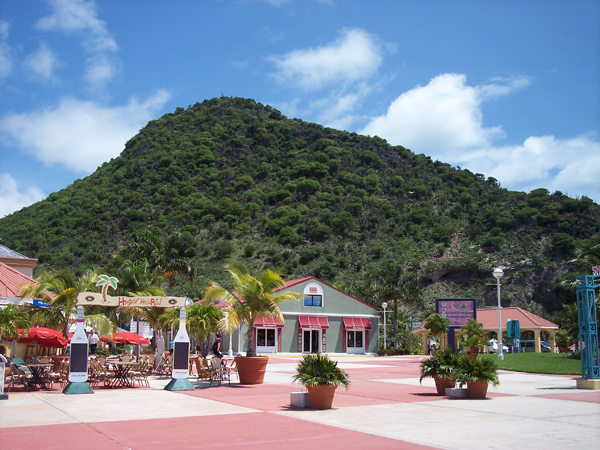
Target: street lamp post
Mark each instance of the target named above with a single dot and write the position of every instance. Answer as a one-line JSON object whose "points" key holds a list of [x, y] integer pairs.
{"points": [[498, 273], [384, 305]]}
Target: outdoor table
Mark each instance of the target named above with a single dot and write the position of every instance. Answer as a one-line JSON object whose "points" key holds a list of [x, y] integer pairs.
{"points": [[38, 372], [121, 372]]}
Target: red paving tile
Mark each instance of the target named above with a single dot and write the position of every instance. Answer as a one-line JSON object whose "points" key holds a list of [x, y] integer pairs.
{"points": [[588, 397], [274, 397], [56, 437], [254, 431]]}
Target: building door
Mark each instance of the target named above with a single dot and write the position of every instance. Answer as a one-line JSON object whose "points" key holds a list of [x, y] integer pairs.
{"points": [[310, 341], [266, 339], [355, 341]]}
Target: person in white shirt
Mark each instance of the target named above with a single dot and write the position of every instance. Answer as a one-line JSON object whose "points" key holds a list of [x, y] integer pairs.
{"points": [[93, 341]]}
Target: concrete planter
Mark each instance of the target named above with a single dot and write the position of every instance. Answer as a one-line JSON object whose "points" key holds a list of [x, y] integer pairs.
{"points": [[457, 393]]}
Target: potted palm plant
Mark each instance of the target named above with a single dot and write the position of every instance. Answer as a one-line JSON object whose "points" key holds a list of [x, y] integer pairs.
{"points": [[251, 298], [478, 374], [563, 340], [442, 367], [437, 325], [321, 376], [472, 337]]}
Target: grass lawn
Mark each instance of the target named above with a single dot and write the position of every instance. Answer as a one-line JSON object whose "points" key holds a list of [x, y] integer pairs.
{"points": [[552, 363]]}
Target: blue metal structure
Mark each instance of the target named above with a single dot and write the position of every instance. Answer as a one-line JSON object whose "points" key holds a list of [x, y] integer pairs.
{"points": [[588, 325]]}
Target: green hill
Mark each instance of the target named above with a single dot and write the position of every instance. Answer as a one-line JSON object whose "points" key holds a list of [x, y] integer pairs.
{"points": [[240, 180]]}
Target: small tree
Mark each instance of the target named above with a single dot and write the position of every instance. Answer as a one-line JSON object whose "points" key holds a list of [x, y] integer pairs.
{"points": [[253, 298], [437, 325], [472, 335]]}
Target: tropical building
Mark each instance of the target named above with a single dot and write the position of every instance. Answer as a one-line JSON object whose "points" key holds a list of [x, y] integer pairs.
{"points": [[327, 320], [17, 261], [529, 323]]}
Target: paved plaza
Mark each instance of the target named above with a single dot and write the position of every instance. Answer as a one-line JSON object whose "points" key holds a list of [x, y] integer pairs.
{"points": [[385, 408]]}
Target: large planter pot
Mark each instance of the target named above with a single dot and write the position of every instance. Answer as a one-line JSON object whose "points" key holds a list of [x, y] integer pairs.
{"points": [[442, 383], [473, 352], [477, 389], [251, 369], [321, 397]]}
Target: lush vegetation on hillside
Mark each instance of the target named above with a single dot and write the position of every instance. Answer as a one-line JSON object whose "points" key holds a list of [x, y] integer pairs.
{"points": [[239, 180]]}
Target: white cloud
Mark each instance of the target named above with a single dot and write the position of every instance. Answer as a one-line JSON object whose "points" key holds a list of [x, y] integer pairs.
{"points": [[80, 16], [80, 135], [444, 120], [5, 56], [41, 64], [354, 56], [11, 199], [567, 165], [441, 118]]}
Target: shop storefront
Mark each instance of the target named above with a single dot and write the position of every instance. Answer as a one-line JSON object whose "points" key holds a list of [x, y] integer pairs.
{"points": [[327, 320]]}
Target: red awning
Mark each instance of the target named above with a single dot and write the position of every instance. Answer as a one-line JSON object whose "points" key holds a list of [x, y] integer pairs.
{"points": [[313, 322], [357, 323], [268, 322]]}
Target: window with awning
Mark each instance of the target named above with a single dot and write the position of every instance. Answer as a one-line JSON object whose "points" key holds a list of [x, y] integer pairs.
{"points": [[268, 322], [357, 323], [313, 322]]}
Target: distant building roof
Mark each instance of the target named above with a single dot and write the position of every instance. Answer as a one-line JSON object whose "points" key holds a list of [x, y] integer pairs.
{"points": [[11, 281], [6, 252], [17, 261], [291, 283], [488, 317]]}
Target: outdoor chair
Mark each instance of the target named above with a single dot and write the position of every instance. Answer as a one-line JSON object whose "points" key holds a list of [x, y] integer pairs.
{"points": [[233, 369], [21, 374], [99, 373], [139, 372], [219, 372], [125, 357], [202, 368], [59, 376]]}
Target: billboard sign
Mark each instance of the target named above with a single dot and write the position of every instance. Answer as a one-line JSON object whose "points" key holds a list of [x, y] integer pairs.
{"points": [[458, 310]]}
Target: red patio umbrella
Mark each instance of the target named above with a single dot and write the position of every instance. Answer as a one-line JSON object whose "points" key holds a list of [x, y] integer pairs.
{"points": [[44, 337], [125, 337]]}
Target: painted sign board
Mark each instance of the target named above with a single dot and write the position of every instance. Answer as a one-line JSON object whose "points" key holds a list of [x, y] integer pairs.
{"points": [[78, 356], [181, 349], [458, 310], [95, 298]]}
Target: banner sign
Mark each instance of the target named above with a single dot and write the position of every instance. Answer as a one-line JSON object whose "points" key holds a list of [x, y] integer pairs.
{"points": [[458, 310], [94, 298]]}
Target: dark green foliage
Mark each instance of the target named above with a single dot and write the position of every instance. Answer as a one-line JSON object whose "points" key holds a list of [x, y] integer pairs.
{"points": [[239, 180], [319, 370]]}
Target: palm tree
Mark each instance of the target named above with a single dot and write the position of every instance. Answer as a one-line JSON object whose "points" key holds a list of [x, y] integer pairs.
{"points": [[137, 279], [202, 322], [11, 319], [587, 254], [393, 284], [252, 298], [59, 291], [160, 254]]}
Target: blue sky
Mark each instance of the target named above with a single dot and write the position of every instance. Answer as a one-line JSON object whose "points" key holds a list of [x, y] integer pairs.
{"points": [[510, 89]]}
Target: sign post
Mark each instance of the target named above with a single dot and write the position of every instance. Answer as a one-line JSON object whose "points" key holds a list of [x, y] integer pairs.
{"points": [[588, 330], [3, 395], [78, 360], [181, 358], [458, 310]]}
